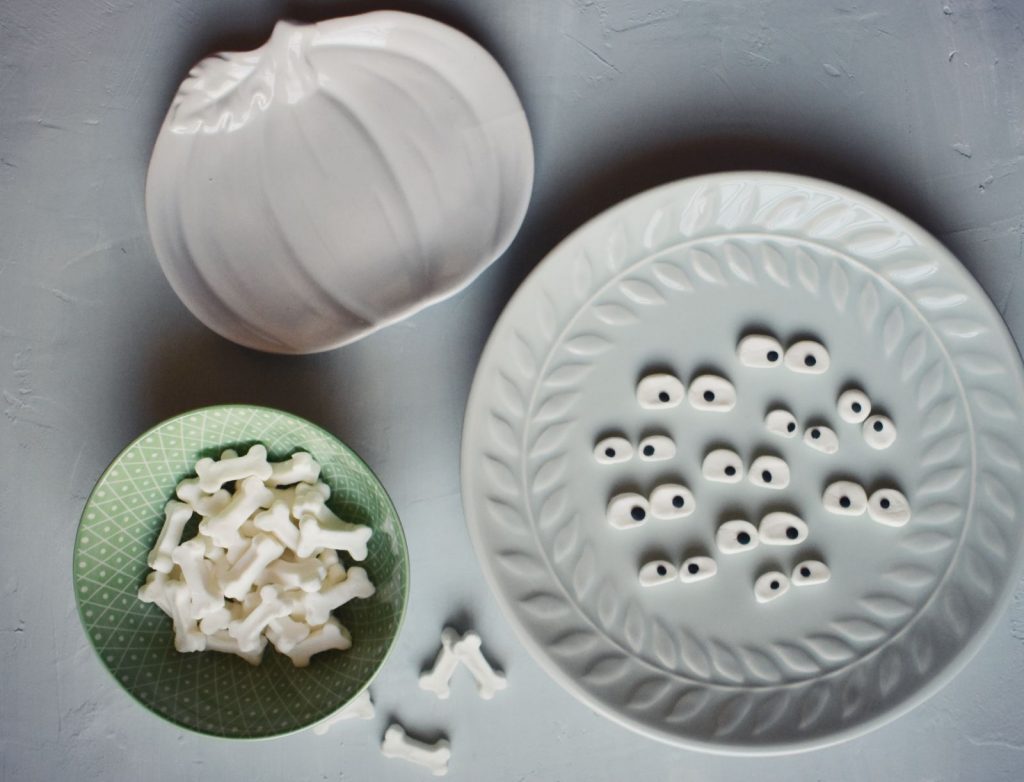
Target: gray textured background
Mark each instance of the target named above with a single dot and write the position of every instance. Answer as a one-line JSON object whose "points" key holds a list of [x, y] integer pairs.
{"points": [[915, 102]]}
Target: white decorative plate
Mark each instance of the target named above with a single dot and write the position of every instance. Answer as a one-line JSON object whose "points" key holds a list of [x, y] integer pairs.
{"points": [[670, 281]]}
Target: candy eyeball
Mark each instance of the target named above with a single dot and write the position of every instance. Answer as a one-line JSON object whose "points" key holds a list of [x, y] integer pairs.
{"points": [[712, 393], [627, 510], [890, 507], [853, 406], [781, 422], [613, 450], [735, 536], [723, 466], [660, 391], [821, 438], [759, 350], [845, 498], [807, 357], [810, 572], [697, 569], [769, 472], [879, 432], [782, 529], [770, 585], [659, 571], [656, 448], [672, 501]]}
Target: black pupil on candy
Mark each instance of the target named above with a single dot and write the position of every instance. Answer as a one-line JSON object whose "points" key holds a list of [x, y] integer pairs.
{"points": [[815, 433], [773, 355], [678, 501], [648, 450], [661, 570], [709, 396], [884, 504], [743, 538], [637, 513], [805, 572], [609, 452], [663, 396], [878, 426], [792, 533], [844, 501], [790, 427], [855, 407], [730, 470], [693, 567], [810, 361], [775, 585], [766, 477]]}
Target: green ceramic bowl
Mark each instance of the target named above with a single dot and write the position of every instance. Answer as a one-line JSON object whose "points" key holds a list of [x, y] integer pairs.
{"points": [[208, 692]]}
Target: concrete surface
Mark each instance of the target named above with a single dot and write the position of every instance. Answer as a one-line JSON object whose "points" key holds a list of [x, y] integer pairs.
{"points": [[917, 102]]}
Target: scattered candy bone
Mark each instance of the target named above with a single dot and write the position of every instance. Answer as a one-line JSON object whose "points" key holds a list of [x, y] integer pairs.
{"points": [[239, 581], [397, 744], [214, 474], [438, 678], [488, 680], [359, 708], [176, 516], [612, 450], [300, 468]]}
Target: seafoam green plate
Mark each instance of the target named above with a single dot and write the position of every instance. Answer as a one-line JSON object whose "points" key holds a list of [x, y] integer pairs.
{"points": [[209, 692]]}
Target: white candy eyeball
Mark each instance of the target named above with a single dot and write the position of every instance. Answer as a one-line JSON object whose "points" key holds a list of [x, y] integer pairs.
{"points": [[736, 536], [711, 393], [697, 569], [723, 466], [771, 585], [672, 501], [821, 438], [759, 350], [659, 391], [845, 498], [782, 529], [879, 432], [627, 510], [889, 506], [769, 472], [808, 357], [853, 406], [811, 572], [659, 571], [612, 450], [656, 448], [781, 422]]}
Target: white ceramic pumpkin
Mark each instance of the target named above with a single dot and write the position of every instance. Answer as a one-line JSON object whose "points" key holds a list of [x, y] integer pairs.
{"points": [[339, 178]]}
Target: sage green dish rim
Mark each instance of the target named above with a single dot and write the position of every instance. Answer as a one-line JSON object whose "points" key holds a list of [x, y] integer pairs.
{"points": [[400, 570]]}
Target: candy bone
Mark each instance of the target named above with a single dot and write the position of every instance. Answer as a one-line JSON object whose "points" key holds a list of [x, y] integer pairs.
{"points": [[213, 475], [220, 619], [397, 744], [204, 504], [187, 637], [176, 516], [438, 678], [199, 578], [307, 575], [278, 520], [247, 631], [331, 636], [284, 633], [263, 550], [318, 605], [314, 534], [488, 680], [155, 591], [223, 527], [360, 708], [300, 468], [222, 642]]}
